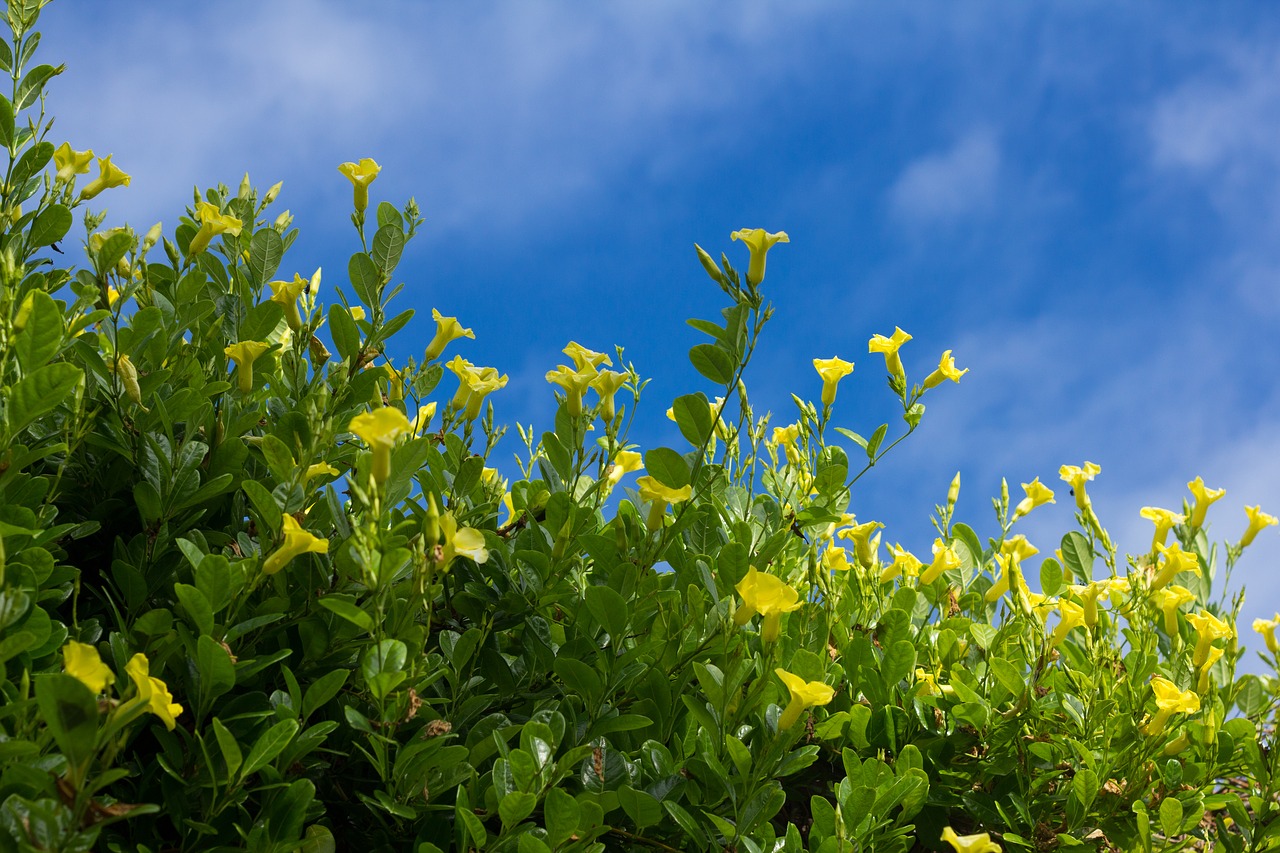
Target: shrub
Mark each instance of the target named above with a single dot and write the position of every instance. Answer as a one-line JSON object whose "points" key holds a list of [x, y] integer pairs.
{"points": [[260, 589]]}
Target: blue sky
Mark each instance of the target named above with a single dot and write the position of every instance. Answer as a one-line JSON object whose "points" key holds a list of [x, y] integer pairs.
{"points": [[1081, 199]]}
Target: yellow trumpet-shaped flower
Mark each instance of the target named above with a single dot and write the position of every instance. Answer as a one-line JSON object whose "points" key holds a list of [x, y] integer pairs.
{"points": [[448, 329], [574, 383], [244, 354], [1038, 494], [832, 370], [759, 242], [297, 541], [946, 370], [927, 684], [212, 223], [460, 542], [1018, 547], [1204, 497], [1077, 476], [1089, 595], [607, 383], [109, 176], [423, 418], [320, 469], [1202, 679], [836, 560], [889, 346], [904, 563], [153, 692], [658, 495], [582, 356], [787, 438], [1169, 701], [1164, 520], [70, 163], [1208, 628], [1175, 561], [83, 663], [474, 384], [624, 463], [1170, 601], [1071, 616], [767, 596], [979, 843], [1009, 568], [1258, 521], [380, 429], [804, 695], [285, 294], [361, 175], [944, 560], [863, 545], [1267, 628]]}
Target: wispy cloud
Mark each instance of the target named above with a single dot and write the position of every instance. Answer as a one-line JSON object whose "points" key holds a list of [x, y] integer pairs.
{"points": [[944, 186]]}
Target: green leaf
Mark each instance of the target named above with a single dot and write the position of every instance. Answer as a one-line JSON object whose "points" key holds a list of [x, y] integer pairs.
{"points": [[272, 742], [1009, 675], [365, 278], [1171, 816], [217, 672], [39, 392], [515, 807], [51, 225], [6, 119], [1084, 787], [196, 606], [873, 444], [229, 747], [388, 243], [70, 711], [343, 607], [113, 250], [964, 534], [268, 510], [578, 676], [560, 814], [33, 84], [609, 609], [278, 457], [322, 690], [693, 416], [1078, 556], [899, 661], [713, 362], [346, 335], [41, 337], [1050, 577], [667, 467], [266, 249], [641, 807]]}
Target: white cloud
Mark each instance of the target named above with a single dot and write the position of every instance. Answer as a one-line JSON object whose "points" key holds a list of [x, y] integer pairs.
{"points": [[951, 184]]}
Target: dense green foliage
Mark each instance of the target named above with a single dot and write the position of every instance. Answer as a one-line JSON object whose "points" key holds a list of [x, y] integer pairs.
{"points": [[260, 589]]}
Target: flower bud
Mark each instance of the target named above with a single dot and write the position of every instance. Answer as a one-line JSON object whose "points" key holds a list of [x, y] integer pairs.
{"points": [[152, 237], [283, 221], [245, 187], [273, 193]]}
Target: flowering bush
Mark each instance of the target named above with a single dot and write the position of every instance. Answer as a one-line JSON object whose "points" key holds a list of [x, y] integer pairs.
{"points": [[260, 588]]}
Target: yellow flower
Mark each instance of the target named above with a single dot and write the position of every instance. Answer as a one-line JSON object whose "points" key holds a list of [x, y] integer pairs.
{"points": [[153, 692], [624, 463], [836, 559], [474, 384], [607, 383], [767, 596], [285, 294], [1170, 601], [979, 843], [904, 563], [460, 542], [70, 163], [1258, 521], [1176, 561], [832, 370], [244, 354], [1202, 682], [927, 684], [423, 418], [1089, 595], [83, 663], [1077, 476], [1203, 497], [944, 560], [1038, 494], [889, 346], [804, 695], [582, 356], [318, 470], [1008, 564], [574, 383], [1164, 520], [296, 541], [361, 175], [357, 313], [212, 223], [448, 329], [759, 242], [1169, 701], [109, 176], [863, 545], [380, 429], [946, 370], [1018, 547], [1208, 628], [1267, 628], [1072, 616], [658, 496], [787, 438]]}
